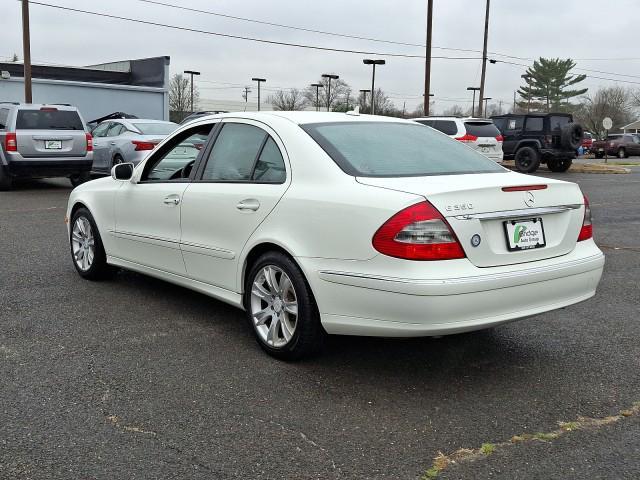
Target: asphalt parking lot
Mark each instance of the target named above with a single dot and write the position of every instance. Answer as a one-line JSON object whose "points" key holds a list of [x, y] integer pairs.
{"points": [[135, 378]]}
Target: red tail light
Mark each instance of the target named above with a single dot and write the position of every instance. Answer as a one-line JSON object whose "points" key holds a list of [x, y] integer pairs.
{"points": [[467, 138], [143, 145], [48, 109], [418, 232], [586, 232], [11, 142], [89, 143], [500, 138]]}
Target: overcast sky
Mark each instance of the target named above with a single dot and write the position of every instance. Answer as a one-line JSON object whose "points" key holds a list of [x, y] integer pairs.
{"points": [[581, 29]]}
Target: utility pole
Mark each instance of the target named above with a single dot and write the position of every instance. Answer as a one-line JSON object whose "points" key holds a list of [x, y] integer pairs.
{"points": [[318, 87], [26, 52], [245, 95], [427, 63], [484, 59], [486, 101], [259, 80], [404, 107], [192, 73], [514, 102]]}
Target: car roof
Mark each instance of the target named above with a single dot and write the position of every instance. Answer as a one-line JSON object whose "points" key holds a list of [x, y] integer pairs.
{"points": [[142, 120], [463, 119], [307, 117], [38, 106]]}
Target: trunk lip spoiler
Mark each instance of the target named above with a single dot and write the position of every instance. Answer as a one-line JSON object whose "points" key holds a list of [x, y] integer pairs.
{"points": [[524, 212]]}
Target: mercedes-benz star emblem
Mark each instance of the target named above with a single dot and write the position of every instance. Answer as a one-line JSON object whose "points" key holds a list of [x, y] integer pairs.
{"points": [[529, 199]]}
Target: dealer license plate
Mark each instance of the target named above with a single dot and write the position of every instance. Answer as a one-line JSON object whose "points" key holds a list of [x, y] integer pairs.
{"points": [[524, 234], [53, 144]]}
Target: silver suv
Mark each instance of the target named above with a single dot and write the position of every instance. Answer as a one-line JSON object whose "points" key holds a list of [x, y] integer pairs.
{"points": [[41, 141]]}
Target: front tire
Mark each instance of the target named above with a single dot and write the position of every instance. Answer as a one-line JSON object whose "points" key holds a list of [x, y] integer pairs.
{"points": [[79, 178], [281, 309], [559, 165], [527, 160], [87, 251], [599, 155], [622, 153]]}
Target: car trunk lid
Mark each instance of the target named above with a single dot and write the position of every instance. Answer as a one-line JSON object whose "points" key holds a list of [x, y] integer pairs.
{"points": [[477, 208]]}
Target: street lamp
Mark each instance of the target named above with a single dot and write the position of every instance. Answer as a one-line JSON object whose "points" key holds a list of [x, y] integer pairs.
{"points": [[368, 61], [364, 96], [329, 77], [318, 87], [473, 105], [486, 100], [259, 80], [192, 73]]}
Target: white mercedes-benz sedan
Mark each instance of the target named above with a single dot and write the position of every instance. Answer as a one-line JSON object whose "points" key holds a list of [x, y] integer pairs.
{"points": [[338, 223]]}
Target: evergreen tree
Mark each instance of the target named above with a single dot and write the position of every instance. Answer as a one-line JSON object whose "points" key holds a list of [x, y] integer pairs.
{"points": [[549, 80]]}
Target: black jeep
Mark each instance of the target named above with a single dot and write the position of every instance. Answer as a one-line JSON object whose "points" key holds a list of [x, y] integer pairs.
{"points": [[534, 138]]}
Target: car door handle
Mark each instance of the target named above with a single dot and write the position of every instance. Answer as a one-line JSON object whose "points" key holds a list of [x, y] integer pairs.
{"points": [[171, 200], [112, 143], [248, 204]]}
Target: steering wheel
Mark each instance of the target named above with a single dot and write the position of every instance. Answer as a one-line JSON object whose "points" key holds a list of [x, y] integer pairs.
{"points": [[186, 170]]}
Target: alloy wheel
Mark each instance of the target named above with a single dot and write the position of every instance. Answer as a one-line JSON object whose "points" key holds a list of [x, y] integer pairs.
{"points": [[83, 243], [274, 306]]}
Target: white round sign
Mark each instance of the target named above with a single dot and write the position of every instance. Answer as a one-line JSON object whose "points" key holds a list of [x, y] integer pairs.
{"points": [[607, 123]]}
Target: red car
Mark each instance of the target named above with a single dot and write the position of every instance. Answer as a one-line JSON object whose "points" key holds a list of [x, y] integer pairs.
{"points": [[587, 142]]}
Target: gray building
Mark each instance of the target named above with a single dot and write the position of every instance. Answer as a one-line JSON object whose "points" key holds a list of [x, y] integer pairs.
{"points": [[139, 87]]}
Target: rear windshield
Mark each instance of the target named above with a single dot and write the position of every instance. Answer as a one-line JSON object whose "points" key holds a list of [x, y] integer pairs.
{"points": [[386, 149], [48, 120], [156, 128], [481, 129]]}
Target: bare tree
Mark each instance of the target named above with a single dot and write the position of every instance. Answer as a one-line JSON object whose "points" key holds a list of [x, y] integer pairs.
{"points": [[339, 90], [614, 102], [293, 99], [15, 58], [454, 111], [180, 97]]}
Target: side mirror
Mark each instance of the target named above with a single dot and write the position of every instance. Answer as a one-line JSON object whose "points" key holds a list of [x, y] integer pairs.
{"points": [[122, 171]]}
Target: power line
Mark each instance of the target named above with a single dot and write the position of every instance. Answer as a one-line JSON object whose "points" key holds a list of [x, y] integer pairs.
{"points": [[240, 37]]}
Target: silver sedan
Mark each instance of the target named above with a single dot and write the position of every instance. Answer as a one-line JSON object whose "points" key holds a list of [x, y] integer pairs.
{"points": [[126, 140]]}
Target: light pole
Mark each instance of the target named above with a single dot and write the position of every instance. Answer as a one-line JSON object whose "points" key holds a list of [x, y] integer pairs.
{"points": [[427, 63], [318, 87], [192, 73], [486, 100], [368, 61], [259, 80], [473, 104], [329, 77], [364, 96]]}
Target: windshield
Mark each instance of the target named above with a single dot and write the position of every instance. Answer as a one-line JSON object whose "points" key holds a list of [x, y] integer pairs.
{"points": [[48, 119], [389, 149], [164, 128]]}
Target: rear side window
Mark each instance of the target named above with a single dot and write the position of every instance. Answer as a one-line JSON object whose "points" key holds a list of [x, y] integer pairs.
{"points": [[448, 127], [428, 123], [481, 129], [4, 115], [514, 123], [557, 122], [48, 120], [534, 124], [270, 165], [389, 149]]}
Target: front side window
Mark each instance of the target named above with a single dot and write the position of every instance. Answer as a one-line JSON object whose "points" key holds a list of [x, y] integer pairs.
{"points": [[175, 159], [390, 149], [235, 153], [101, 130]]}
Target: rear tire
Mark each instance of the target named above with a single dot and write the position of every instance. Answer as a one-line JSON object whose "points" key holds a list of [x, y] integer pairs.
{"points": [[599, 155], [527, 160], [116, 160], [622, 153], [6, 182], [79, 178], [281, 309], [87, 250], [559, 165]]}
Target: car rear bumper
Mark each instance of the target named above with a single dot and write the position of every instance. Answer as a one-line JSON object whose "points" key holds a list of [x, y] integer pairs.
{"points": [[365, 303], [48, 168]]}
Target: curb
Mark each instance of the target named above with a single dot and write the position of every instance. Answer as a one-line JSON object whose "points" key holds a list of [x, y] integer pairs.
{"points": [[581, 168]]}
